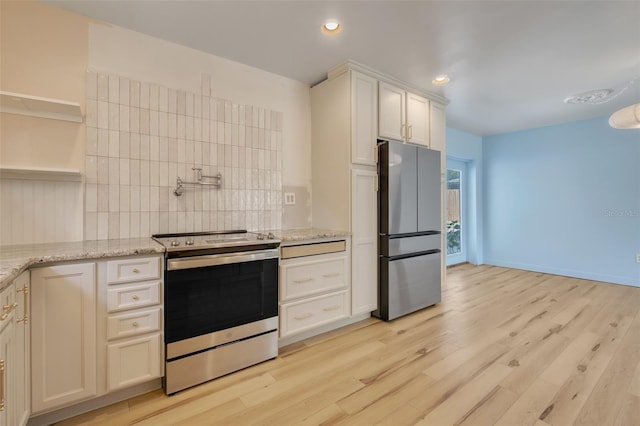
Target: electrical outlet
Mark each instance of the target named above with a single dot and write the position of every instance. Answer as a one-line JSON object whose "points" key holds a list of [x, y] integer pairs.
{"points": [[289, 198], [638, 258]]}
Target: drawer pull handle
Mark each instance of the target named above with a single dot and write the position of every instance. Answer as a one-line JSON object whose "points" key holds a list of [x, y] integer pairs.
{"points": [[135, 324], [302, 280], [136, 270], [331, 308], [335, 274], [4, 316], [135, 297], [1, 385], [303, 316], [25, 306], [9, 308]]}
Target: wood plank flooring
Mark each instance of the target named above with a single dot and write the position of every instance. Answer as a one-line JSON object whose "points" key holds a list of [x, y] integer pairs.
{"points": [[505, 347]]}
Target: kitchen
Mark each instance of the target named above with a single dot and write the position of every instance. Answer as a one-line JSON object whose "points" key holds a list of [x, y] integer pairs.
{"points": [[86, 50]]}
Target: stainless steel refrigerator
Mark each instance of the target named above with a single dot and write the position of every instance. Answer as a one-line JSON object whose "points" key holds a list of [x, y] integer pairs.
{"points": [[410, 227]]}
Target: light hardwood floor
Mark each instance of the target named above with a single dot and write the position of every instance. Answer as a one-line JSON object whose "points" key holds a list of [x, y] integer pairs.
{"points": [[505, 347]]}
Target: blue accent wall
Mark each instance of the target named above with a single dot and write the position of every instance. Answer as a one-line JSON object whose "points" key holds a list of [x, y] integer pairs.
{"points": [[563, 199], [467, 147]]}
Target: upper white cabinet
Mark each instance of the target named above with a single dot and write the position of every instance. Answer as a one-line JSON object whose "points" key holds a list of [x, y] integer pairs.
{"points": [[403, 115], [438, 131], [364, 112]]}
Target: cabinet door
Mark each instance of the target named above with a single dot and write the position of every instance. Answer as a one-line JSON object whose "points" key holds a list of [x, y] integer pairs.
{"points": [[63, 330], [134, 361], [391, 117], [7, 369], [417, 119], [438, 132], [23, 351], [364, 113], [364, 249]]}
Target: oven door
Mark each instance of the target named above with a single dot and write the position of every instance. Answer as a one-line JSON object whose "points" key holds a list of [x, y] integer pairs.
{"points": [[204, 294]]}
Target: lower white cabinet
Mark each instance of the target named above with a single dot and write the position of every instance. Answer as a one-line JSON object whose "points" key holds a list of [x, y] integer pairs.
{"points": [[314, 289], [313, 312], [134, 360], [23, 349], [15, 399], [94, 329], [364, 266], [63, 331], [134, 322]]}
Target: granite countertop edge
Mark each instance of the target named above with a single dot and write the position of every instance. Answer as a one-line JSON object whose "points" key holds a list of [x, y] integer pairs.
{"points": [[309, 234], [16, 259]]}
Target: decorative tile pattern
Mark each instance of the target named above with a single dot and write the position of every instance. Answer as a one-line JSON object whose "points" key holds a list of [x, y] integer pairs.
{"points": [[141, 137]]}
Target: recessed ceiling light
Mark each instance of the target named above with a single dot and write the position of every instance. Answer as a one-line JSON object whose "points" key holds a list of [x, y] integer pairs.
{"points": [[331, 27], [441, 80]]}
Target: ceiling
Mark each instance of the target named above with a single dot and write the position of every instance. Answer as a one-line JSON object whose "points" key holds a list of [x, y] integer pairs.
{"points": [[512, 63]]}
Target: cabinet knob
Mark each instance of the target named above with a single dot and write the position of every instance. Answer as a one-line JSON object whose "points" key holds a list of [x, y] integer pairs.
{"points": [[135, 324], [136, 270], [135, 297]]}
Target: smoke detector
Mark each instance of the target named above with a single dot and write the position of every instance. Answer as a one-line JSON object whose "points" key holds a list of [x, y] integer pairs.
{"points": [[592, 97]]}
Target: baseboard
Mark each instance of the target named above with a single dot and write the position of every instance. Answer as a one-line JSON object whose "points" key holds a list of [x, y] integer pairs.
{"points": [[612, 279], [93, 404]]}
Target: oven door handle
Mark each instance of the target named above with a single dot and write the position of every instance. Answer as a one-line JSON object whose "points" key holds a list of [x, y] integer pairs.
{"points": [[220, 259]]}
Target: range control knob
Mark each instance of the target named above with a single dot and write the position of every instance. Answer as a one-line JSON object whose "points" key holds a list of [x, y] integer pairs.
{"points": [[271, 236], [260, 236], [189, 241], [175, 243]]}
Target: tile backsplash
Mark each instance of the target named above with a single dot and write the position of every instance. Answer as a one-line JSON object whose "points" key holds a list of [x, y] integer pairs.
{"points": [[141, 137]]}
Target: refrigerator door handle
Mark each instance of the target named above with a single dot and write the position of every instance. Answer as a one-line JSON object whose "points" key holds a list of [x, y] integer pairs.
{"points": [[416, 254]]}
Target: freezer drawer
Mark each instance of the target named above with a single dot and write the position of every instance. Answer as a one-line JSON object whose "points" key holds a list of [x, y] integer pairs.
{"points": [[408, 284], [406, 245]]}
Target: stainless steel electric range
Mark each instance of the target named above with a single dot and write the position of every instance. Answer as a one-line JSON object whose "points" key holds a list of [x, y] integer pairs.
{"points": [[221, 304]]}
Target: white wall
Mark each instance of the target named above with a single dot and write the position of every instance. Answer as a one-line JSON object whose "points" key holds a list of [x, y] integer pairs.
{"points": [[139, 56]]}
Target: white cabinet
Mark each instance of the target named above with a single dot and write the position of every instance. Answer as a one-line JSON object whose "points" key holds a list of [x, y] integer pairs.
{"points": [[403, 115], [314, 289], [15, 398], [7, 357], [438, 132], [63, 335], [364, 113], [341, 107], [96, 328], [364, 291], [438, 142], [23, 350], [134, 318]]}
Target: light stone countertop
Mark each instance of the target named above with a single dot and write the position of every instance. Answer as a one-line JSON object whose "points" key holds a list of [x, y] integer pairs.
{"points": [[308, 234], [17, 258]]}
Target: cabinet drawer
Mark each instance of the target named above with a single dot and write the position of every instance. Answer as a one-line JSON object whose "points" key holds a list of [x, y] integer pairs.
{"points": [[305, 278], [134, 361], [133, 296], [133, 323], [134, 269], [307, 314]]}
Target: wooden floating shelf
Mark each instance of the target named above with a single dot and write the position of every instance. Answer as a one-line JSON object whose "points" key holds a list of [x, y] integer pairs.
{"points": [[34, 106], [40, 173]]}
